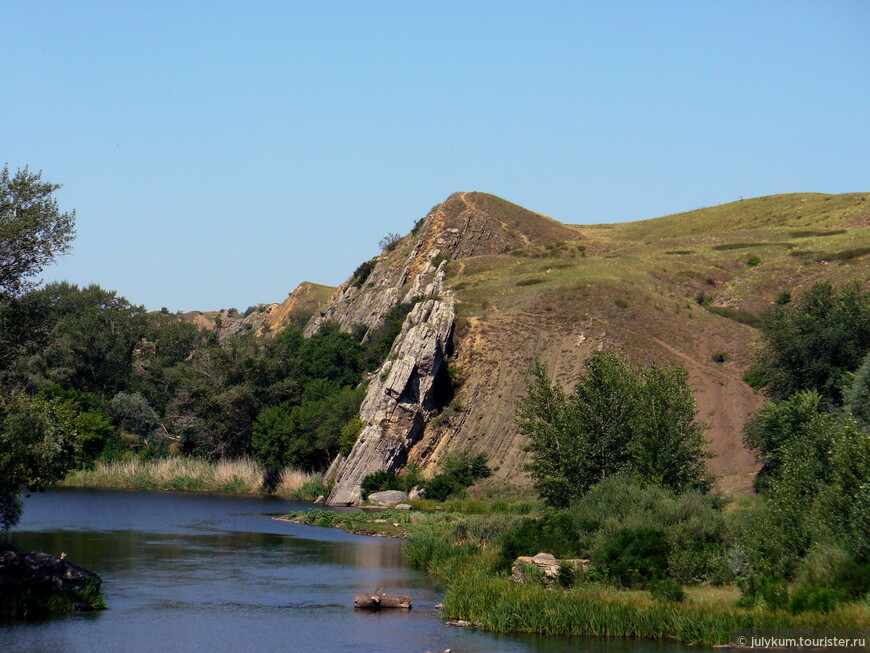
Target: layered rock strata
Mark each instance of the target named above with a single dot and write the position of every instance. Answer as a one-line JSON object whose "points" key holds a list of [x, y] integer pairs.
{"points": [[399, 399]]}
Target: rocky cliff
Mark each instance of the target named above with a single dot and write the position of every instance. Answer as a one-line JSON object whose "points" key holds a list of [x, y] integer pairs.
{"points": [[404, 392], [399, 400]]}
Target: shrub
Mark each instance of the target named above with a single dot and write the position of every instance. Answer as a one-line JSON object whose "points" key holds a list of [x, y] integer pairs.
{"points": [[362, 273], [441, 487], [752, 261], [438, 259], [349, 434], [720, 357], [458, 471], [389, 241], [553, 533], [765, 591], [736, 314], [418, 224], [566, 576], [379, 481], [818, 599], [667, 590], [633, 557]]}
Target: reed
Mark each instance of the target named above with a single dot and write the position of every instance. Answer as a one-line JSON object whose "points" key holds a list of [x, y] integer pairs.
{"points": [[498, 605], [492, 602], [239, 476]]}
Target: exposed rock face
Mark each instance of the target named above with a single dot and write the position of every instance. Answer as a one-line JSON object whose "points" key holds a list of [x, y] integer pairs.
{"points": [[398, 400], [403, 391]]}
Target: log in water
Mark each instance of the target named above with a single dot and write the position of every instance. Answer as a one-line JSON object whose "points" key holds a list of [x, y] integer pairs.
{"points": [[381, 601]]}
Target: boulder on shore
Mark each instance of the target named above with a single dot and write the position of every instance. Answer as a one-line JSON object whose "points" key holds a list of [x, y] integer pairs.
{"points": [[37, 570], [547, 563], [35, 575], [387, 498]]}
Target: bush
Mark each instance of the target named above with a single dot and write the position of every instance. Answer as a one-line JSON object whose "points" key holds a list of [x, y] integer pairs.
{"points": [[389, 241], [764, 591], [379, 481], [441, 487], [567, 576], [362, 273], [818, 599], [438, 259], [633, 557], [667, 590], [349, 434], [458, 470], [553, 533]]}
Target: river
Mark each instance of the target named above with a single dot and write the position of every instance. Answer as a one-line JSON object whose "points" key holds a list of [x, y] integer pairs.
{"points": [[196, 572]]}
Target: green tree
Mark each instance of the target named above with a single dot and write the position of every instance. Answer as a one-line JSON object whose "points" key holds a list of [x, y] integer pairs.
{"points": [[800, 417], [306, 436], [819, 494], [620, 418], [814, 341], [856, 398], [37, 448], [82, 338], [33, 231], [92, 428]]}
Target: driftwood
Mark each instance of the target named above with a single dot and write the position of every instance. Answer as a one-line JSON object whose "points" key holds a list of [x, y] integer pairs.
{"points": [[381, 601]]}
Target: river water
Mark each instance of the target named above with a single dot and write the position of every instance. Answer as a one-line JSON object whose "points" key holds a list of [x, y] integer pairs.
{"points": [[194, 572]]}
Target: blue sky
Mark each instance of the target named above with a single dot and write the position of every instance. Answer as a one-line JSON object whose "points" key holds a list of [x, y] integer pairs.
{"points": [[219, 153]]}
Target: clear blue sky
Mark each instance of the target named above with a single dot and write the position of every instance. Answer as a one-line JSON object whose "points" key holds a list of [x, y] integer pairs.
{"points": [[219, 153]]}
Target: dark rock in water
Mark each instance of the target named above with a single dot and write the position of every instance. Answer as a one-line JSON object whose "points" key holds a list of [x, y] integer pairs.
{"points": [[41, 575]]}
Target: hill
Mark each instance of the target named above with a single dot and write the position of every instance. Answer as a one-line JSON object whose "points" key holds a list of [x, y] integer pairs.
{"points": [[263, 319], [504, 285]]}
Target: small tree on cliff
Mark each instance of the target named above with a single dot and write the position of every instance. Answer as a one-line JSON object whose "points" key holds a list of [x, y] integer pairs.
{"points": [[620, 418]]}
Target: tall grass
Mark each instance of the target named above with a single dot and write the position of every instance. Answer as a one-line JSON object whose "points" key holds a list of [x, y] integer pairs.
{"points": [[498, 605], [239, 476], [492, 602]]}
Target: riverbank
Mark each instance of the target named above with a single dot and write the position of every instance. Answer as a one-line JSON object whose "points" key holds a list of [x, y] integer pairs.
{"points": [[462, 551], [242, 476]]}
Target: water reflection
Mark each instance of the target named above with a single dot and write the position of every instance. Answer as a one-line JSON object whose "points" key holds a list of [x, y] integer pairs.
{"points": [[187, 572]]}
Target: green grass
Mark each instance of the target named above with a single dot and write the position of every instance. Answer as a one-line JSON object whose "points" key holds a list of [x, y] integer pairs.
{"points": [[845, 254], [30, 603], [798, 212]]}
